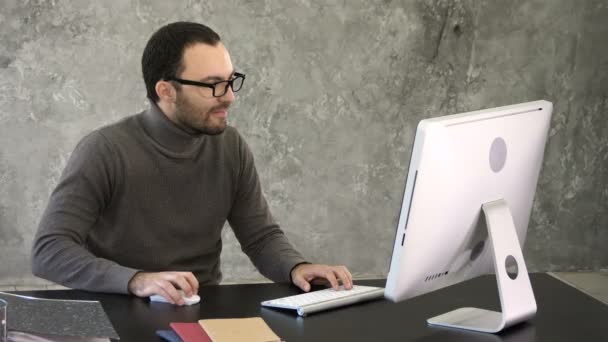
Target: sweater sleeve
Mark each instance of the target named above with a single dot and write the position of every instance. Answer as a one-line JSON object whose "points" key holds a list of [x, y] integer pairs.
{"points": [[260, 236], [59, 250]]}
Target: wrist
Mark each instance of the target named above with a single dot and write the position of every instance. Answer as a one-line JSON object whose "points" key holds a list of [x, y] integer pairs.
{"points": [[294, 268], [132, 284]]}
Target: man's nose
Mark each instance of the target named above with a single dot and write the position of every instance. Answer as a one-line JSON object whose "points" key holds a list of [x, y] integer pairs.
{"points": [[228, 96]]}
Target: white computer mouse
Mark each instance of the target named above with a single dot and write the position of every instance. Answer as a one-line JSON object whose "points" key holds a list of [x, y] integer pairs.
{"points": [[194, 299]]}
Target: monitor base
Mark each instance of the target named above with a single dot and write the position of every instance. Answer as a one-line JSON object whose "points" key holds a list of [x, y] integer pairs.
{"points": [[514, 288]]}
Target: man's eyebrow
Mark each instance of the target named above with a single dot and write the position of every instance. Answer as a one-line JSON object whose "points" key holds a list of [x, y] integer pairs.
{"points": [[217, 78]]}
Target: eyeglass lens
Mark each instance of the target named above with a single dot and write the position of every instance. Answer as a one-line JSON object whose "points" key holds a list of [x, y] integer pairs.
{"points": [[221, 88]]}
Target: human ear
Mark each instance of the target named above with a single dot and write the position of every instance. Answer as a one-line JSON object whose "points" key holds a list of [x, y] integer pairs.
{"points": [[165, 91]]}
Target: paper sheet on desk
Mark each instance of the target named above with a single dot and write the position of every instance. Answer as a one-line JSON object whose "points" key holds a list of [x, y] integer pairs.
{"points": [[57, 317], [252, 329]]}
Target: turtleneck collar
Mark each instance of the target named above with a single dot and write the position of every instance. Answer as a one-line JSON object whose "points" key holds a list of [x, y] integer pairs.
{"points": [[168, 136]]}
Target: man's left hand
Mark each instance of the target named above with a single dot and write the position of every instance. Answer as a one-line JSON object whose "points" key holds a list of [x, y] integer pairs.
{"points": [[302, 275]]}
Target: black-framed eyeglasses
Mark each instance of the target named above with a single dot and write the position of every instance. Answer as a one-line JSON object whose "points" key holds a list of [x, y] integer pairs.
{"points": [[219, 88]]}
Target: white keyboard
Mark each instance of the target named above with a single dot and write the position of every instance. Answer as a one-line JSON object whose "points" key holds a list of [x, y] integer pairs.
{"points": [[311, 302]]}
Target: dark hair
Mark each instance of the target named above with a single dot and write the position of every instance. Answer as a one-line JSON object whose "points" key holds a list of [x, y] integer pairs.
{"points": [[163, 54]]}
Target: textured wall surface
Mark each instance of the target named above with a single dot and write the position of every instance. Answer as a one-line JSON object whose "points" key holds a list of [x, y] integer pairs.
{"points": [[333, 94]]}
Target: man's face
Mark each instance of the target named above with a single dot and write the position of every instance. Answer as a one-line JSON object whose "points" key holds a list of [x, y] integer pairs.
{"points": [[196, 107]]}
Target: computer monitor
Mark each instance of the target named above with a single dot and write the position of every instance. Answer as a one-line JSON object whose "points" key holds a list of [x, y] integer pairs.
{"points": [[466, 207]]}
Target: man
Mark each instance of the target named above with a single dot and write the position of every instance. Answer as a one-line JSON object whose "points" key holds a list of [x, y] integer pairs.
{"points": [[141, 203]]}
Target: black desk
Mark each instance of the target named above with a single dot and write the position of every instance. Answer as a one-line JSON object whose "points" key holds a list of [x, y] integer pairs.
{"points": [[564, 313]]}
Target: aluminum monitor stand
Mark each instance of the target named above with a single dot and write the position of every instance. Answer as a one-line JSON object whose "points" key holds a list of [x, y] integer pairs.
{"points": [[516, 296]]}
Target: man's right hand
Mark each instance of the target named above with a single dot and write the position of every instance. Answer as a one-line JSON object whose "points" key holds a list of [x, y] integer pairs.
{"points": [[166, 284]]}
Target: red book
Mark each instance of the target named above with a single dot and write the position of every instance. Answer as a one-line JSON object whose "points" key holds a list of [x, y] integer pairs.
{"points": [[190, 332]]}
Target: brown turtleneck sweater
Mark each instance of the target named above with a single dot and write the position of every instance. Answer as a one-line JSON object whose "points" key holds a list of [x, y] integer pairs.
{"points": [[144, 195]]}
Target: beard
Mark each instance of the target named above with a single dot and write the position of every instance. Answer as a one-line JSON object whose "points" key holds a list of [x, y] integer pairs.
{"points": [[197, 120]]}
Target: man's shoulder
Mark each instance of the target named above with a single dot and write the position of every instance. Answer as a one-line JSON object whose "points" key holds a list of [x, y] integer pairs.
{"points": [[122, 125], [117, 131], [108, 137]]}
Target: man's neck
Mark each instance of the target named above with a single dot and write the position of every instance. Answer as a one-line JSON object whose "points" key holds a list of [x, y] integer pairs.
{"points": [[168, 109]]}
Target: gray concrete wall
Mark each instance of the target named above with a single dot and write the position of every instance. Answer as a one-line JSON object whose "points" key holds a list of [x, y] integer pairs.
{"points": [[333, 94]]}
